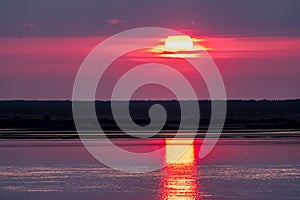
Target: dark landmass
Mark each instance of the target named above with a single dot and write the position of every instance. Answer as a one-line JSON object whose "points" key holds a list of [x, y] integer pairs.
{"points": [[48, 117]]}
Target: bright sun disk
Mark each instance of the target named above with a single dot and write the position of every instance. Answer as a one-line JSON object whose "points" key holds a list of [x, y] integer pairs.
{"points": [[179, 43]]}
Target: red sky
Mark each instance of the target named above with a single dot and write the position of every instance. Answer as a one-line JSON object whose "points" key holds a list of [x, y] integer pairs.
{"points": [[251, 67], [255, 44]]}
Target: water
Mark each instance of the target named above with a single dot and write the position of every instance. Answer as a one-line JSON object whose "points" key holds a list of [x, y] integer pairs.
{"points": [[235, 169]]}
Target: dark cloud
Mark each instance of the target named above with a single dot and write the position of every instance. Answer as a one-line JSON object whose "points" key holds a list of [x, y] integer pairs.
{"points": [[87, 18]]}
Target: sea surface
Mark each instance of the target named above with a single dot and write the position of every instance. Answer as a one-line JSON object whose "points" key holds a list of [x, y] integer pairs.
{"points": [[257, 168]]}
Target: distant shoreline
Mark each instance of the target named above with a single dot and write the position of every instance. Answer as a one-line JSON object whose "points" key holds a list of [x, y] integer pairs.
{"points": [[253, 118], [242, 134]]}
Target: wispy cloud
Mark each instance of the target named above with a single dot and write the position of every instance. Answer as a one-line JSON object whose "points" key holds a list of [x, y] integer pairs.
{"points": [[28, 25], [116, 21]]}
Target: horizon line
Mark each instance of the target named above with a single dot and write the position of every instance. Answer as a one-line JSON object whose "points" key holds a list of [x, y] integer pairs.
{"points": [[165, 100]]}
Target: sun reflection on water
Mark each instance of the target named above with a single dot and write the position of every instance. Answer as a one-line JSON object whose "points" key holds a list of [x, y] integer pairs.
{"points": [[180, 178]]}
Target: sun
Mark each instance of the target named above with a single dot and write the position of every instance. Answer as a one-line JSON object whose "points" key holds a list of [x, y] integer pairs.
{"points": [[179, 46], [179, 43]]}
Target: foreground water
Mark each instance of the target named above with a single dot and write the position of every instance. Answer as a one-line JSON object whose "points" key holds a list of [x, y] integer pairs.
{"points": [[235, 169]]}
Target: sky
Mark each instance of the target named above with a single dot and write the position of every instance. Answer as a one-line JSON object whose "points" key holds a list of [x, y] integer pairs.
{"points": [[254, 43]]}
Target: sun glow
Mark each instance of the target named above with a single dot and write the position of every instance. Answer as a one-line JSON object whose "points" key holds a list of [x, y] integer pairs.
{"points": [[179, 43], [179, 46]]}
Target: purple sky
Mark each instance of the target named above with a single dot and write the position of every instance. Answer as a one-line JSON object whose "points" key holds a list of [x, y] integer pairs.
{"points": [[255, 44]]}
